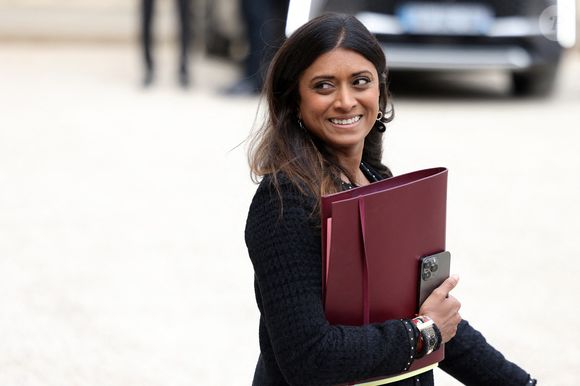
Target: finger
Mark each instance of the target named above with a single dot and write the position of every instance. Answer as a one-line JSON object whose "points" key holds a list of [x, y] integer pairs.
{"points": [[448, 285]]}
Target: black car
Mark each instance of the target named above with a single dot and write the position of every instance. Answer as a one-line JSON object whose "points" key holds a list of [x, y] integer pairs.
{"points": [[518, 36]]}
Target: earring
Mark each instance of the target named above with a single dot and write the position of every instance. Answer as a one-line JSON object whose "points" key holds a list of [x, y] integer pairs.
{"points": [[380, 126], [301, 124]]}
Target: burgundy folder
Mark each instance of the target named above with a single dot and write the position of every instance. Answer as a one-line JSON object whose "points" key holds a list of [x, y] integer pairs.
{"points": [[372, 240]]}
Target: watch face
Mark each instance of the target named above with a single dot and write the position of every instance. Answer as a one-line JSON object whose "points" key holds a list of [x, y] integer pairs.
{"points": [[430, 339]]}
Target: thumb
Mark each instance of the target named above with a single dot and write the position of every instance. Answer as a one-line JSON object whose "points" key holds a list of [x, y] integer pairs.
{"points": [[448, 285]]}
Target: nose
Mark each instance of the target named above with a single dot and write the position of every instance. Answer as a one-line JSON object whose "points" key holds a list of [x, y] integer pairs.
{"points": [[345, 99]]}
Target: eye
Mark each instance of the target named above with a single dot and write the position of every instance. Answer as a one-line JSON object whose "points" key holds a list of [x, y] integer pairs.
{"points": [[361, 81], [325, 85]]}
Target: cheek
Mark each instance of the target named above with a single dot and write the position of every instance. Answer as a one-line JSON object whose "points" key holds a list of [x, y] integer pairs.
{"points": [[313, 108], [373, 102]]}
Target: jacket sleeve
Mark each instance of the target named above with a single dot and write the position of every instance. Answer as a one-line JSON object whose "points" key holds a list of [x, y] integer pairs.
{"points": [[284, 245], [473, 361]]}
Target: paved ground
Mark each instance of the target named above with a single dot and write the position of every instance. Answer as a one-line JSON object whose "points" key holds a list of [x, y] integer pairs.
{"points": [[122, 259]]}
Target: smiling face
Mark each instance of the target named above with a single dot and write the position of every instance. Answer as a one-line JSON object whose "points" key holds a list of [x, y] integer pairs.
{"points": [[339, 100]]}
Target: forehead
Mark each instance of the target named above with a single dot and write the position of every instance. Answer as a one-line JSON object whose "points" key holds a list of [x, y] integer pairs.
{"points": [[337, 61]]}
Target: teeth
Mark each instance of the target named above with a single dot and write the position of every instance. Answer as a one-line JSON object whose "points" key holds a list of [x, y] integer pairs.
{"points": [[345, 121]]}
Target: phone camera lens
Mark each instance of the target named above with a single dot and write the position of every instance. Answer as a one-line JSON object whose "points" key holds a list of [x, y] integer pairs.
{"points": [[434, 267], [426, 274]]}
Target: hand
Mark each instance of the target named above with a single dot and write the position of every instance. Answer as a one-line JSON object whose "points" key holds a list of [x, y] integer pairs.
{"points": [[443, 308]]}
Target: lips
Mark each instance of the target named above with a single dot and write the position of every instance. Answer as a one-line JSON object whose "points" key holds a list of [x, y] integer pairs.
{"points": [[345, 121]]}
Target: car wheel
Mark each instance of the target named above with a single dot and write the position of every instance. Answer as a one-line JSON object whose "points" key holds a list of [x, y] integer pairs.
{"points": [[538, 82]]}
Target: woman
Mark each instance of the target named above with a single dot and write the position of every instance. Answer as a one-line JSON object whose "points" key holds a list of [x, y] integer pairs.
{"points": [[327, 103]]}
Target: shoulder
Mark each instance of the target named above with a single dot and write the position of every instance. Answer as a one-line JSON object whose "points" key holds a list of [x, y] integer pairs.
{"points": [[278, 201], [280, 218], [278, 190]]}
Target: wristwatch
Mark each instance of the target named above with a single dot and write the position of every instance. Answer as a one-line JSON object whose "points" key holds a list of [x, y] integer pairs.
{"points": [[428, 336]]}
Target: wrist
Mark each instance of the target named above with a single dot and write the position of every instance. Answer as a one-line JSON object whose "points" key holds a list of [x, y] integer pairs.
{"points": [[429, 335]]}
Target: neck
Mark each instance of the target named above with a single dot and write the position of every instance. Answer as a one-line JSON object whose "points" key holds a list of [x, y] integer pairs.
{"points": [[351, 163]]}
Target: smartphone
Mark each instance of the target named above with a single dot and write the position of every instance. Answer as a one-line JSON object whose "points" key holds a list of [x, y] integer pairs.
{"points": [[433, 271]]}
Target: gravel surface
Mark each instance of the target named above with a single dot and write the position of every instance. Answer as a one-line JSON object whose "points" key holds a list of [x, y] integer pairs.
{"points": [[122, 260]]}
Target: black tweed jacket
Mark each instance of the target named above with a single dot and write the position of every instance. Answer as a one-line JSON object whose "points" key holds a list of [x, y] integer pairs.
{"points": [[299, 346]]}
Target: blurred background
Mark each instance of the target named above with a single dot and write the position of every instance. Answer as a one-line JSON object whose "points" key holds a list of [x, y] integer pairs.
{"points": [[124, 183]]}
